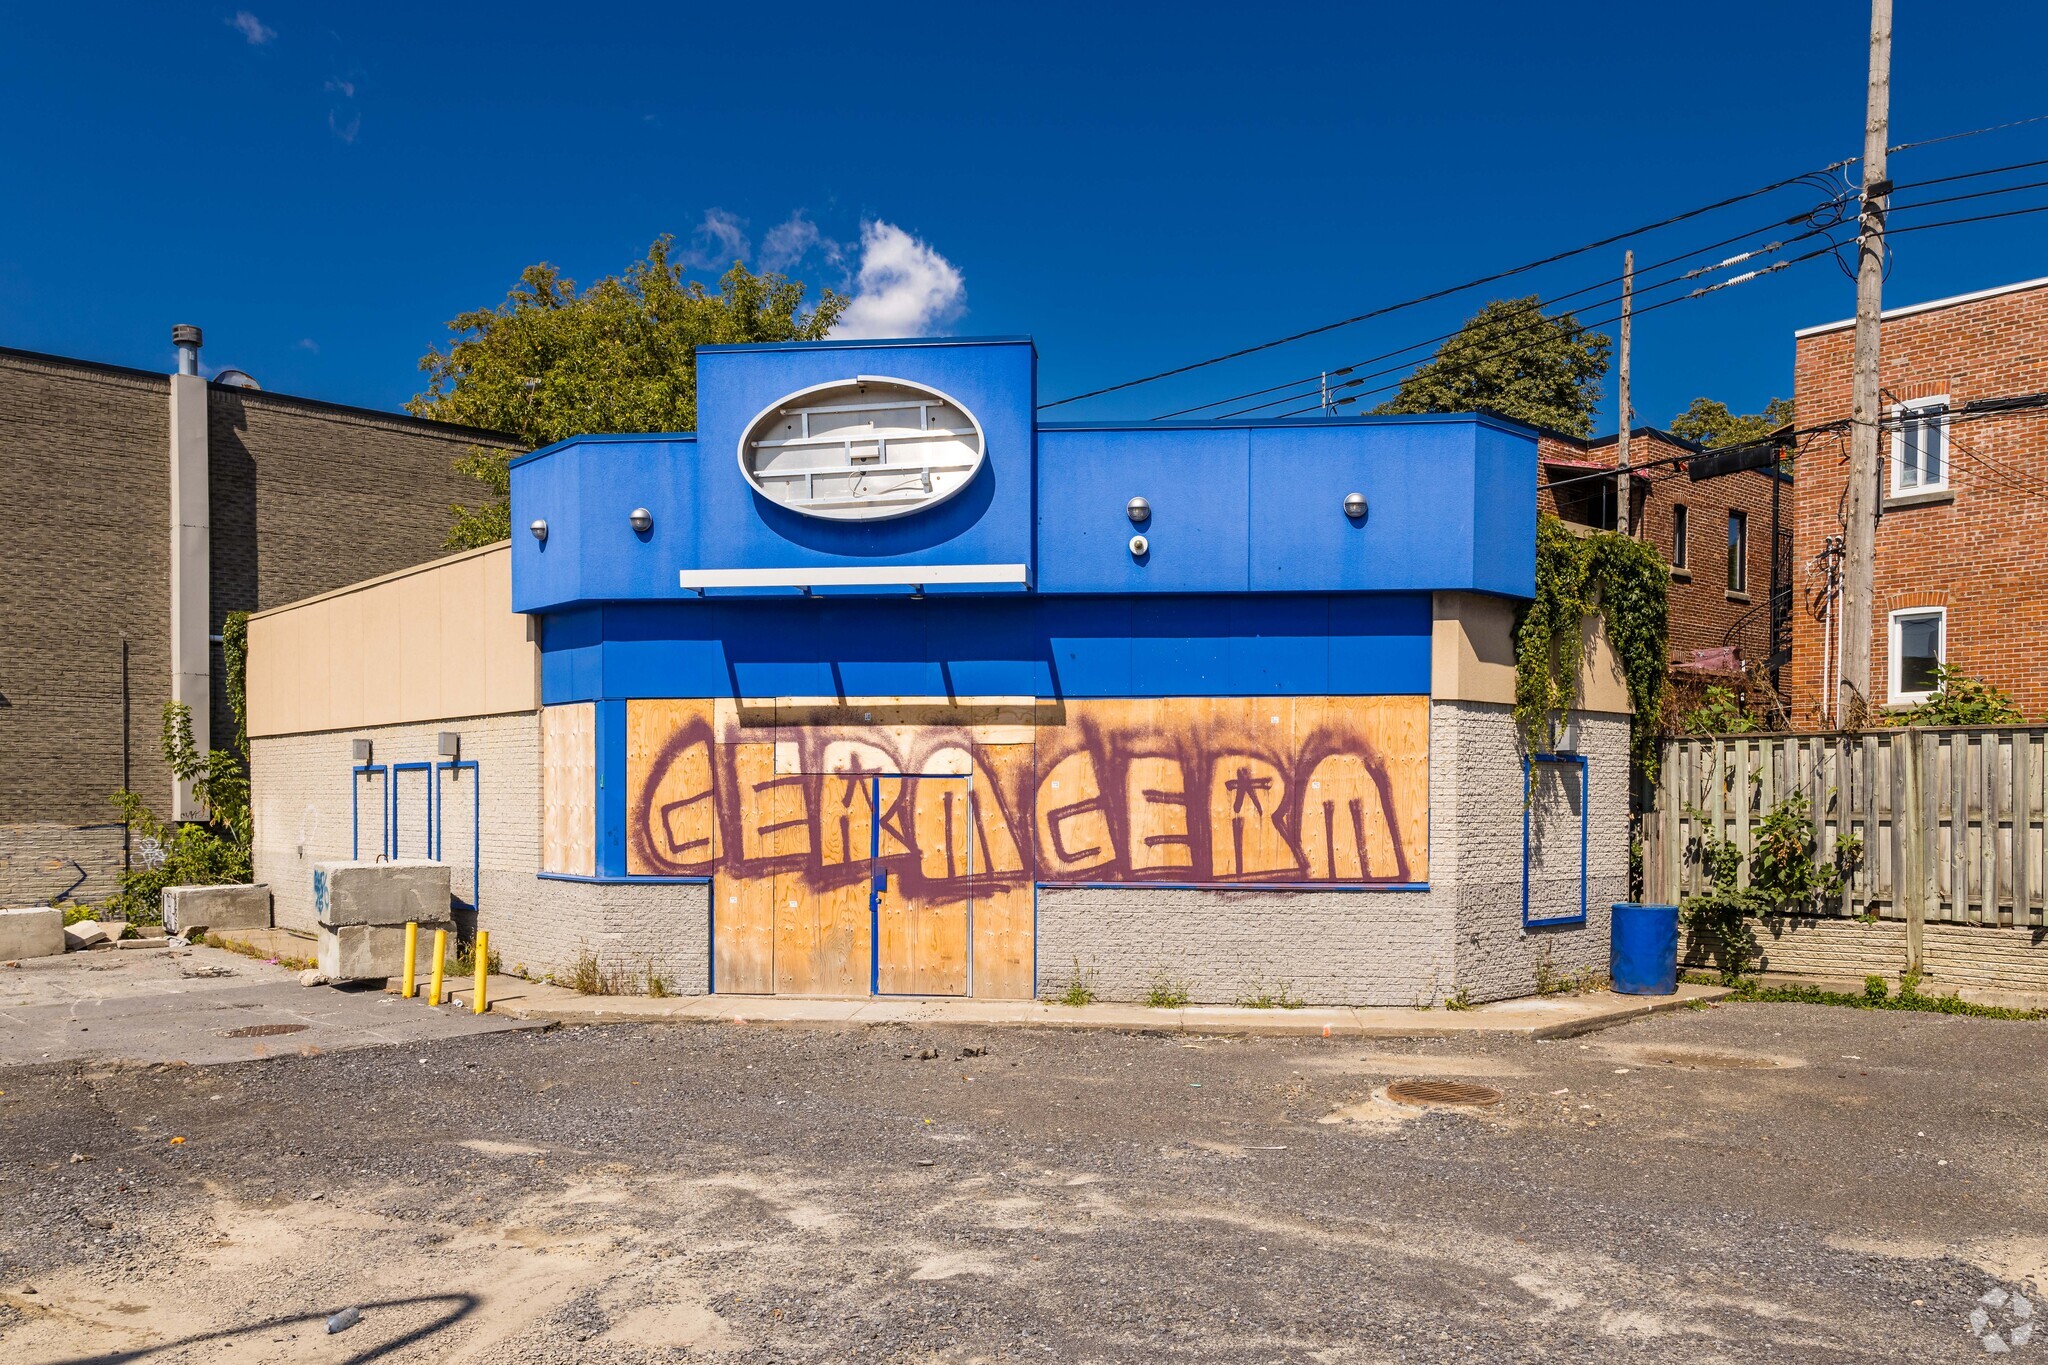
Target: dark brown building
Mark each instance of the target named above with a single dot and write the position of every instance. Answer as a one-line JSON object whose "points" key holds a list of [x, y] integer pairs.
{"points": [[143, 509]]}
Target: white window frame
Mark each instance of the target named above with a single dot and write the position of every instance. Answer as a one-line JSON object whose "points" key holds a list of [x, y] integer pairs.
{"points": [[1681, 537], [1901, 414], [1898, 696]]}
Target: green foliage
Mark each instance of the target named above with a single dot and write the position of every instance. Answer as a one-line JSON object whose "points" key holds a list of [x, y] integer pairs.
{"points": [[1167, 993], [1784, 878], [1460, 1002], [1080, 987], [1513, 360], [1260, 996], [1959, 699], [189, 853], [74, 913], [1625, 581], [1710, 423], [1720, 712], [621, 356], [1909, 998], [462, 959]]}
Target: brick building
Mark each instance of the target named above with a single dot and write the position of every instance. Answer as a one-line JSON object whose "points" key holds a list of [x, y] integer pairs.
{"points": [[1716, 535], [127, 487], [1963, 504]]}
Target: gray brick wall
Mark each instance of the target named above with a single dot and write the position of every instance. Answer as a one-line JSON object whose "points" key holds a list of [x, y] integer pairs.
{"points": [[305, 497], [302, 785]]}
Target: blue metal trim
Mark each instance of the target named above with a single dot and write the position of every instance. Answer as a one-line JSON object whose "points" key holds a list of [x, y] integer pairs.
{"points": [[1485, 419], [878, 879], [620, 438], [391, 783], [355, 823], [476, 824], [622, 881], [866, 344], [610, 796], [1585, 819], [1231, 886]]}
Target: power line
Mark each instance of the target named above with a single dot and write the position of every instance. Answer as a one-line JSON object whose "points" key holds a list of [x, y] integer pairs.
{"points": [[1453, 289], [1744, 278], [1974, 132], [1540, 306], [1967, 175], [1535, 311], [1980, 218]]}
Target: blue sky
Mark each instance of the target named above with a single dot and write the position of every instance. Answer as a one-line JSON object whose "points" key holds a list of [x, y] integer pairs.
{"points": [[322, 186]]}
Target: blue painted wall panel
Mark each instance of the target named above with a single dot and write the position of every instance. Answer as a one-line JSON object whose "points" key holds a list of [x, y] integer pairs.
{"points": [[1305, 644], [1195, 481]]}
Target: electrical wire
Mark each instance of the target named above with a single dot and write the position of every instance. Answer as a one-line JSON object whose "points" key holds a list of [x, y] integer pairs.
{"points": [[1836, 204], [1974, 132], [1453, 289], [1958, 222]]}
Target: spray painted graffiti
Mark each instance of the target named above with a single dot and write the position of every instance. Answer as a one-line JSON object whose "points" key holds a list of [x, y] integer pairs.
{"points": [[1207, 791]]}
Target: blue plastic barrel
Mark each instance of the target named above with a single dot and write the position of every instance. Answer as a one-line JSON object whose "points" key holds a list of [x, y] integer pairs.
{"points": [[1643, 958]]}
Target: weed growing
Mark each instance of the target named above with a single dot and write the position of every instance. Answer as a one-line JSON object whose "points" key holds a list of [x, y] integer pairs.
{"points": [[1876, 995], [1259, 996], [1167, 993], [1080, 987]]}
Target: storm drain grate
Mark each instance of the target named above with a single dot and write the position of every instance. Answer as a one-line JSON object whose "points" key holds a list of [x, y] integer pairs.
{"points": [[265, 1030], [1442, 1092]]}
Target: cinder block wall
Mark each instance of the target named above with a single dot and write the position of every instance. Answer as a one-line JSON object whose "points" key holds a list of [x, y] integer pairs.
{"points": [[302, 785], [1381, 947], [1952, 955]]}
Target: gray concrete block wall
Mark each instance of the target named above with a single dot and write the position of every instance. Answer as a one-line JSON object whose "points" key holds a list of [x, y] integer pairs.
{"points": [[1496, 958], [46, 862], [301, 789]]}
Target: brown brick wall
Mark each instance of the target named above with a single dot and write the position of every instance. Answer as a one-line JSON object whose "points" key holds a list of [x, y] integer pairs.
{"points": [[1982, 552], [305, 497], [1703, 612]]}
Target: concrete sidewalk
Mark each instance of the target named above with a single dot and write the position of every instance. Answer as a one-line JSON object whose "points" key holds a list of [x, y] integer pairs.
{"points": [[1557, 1016]]}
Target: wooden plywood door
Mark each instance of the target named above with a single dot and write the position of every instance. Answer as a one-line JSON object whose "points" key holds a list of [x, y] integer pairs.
{"points": [[924, 909], [743, 915]]}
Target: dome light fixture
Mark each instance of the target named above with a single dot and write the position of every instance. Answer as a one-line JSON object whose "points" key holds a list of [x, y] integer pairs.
{"points": [[1137, 509], [642, 519], [1354, 506], [539, 528]]}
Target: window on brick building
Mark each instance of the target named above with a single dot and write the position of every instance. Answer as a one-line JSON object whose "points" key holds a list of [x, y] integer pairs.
{"points": [[1738, 552], [1919, 647], [1678, 529], [1920, 445]]}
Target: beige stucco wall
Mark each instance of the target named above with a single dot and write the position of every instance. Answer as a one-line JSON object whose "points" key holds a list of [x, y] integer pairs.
{"points": [[424, 643], [1472, 656]]}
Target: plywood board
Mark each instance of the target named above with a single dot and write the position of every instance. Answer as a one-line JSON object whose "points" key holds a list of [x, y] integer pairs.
{"points": [[568, 786], [795, 807]]}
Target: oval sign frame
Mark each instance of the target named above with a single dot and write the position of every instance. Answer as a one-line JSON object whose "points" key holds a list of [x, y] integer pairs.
{"points": [[951, 475]]}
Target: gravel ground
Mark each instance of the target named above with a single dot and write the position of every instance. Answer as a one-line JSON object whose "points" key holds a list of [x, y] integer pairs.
{"points": [[1740, 1183]]}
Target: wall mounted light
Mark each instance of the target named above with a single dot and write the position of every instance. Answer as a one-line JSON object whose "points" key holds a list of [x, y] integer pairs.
{"points": [[361, 749], [1354, 505], [642, 519], [1137, 509], [1139, 546], [540, 531], [451, 744]]}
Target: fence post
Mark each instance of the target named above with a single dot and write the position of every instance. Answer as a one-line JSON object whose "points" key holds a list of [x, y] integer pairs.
{"points": [[1908, 880]]}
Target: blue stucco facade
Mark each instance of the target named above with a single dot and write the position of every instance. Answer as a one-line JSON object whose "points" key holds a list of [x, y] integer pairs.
{"points": [[1244, 511]]}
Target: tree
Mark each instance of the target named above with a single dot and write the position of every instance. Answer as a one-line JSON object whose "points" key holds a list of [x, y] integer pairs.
{"points": [[1709, 423], [549, 362], [1513, 360]]}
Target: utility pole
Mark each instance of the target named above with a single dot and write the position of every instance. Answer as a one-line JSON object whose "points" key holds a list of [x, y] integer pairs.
{"points": [[1859, 558], [1625, 483]]}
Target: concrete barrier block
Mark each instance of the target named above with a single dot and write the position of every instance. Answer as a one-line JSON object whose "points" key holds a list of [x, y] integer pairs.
{"points": [[374, 952], [387, 893], [214, 908], [84, 934], [31, 931]]}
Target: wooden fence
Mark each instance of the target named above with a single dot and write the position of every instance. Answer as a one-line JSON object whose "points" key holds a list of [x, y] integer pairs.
{"points": [[1951, 819]]}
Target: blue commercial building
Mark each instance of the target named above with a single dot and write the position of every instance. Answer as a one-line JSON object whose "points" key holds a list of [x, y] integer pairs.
{"points": [[877, 684]]}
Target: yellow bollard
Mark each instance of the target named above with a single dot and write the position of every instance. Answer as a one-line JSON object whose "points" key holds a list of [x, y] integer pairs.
{"points": [[440, 964], [483, 970], [408, 985]]}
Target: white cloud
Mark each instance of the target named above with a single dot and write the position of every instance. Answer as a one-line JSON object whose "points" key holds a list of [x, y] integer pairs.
{"points": [[345, 131], [346, 89], [789, 242], [308, 344], [249, 26], [720, 240], [903, 287]]}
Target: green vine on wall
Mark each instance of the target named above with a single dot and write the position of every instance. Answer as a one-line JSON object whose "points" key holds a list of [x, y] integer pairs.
{"points": [[1622, 579]]}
